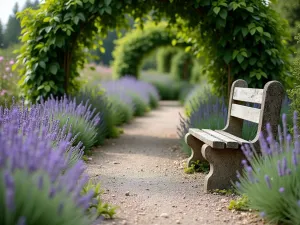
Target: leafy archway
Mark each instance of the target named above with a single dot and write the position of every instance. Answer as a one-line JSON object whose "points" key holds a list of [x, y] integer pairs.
{"points": [[242, 38], [134, 46]]}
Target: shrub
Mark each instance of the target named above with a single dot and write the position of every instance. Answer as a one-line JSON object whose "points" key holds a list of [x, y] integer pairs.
{"points": [[139, 96], [121, 103], [181, 66], [164, 57], [167, 88], [38, 184], [294, 93], [106, 128], [196, 96], [271, 181], [8, 81], [198, 74], [132, 48], [82, 118]]}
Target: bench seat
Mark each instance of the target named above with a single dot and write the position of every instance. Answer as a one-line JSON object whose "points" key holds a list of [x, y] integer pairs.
{"points": [[217, 138]]}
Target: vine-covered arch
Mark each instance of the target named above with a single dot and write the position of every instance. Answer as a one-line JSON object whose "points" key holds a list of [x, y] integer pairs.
{"points": [[134, 46], [241, 38]]}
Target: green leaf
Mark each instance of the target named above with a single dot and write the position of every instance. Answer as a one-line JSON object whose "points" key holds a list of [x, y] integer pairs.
{"points": [[251, 26], [250, 9], [107, 2], [53, 69], [269, 52], [240, 58], [236, 30], [252, 31], [56, 18], [235, 53], [47, 88], [244, 65], [42, 64], [48, 29], [223, 14], [258, 76], [260, 29], [92, 1], [216, 10], [244, 53], [264, 74], [76, 20], [245, 31], [227, 57], [108, 10], [47, 19]]}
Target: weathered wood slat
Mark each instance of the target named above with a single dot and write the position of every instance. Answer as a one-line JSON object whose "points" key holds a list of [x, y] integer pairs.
{"points": [[230, 143], [245, 112], [252, 95], [206, 138], [239, 140]]}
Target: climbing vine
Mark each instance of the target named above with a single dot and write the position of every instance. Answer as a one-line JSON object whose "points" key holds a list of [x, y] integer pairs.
{"points": [[240, 39]]}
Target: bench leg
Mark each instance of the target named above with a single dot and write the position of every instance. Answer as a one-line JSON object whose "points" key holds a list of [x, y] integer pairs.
{"points": [[195, 145], [223, 166]]}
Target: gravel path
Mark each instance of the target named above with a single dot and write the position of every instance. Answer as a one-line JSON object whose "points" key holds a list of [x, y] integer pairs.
{"points": [[142, 173]]}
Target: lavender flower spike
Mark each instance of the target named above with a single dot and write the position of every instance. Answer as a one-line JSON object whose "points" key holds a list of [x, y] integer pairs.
{"points": [[10, 190], [268, 181]]}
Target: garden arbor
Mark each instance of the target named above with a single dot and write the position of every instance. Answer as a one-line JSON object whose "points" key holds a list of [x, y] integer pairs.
{"points": [[134, 46], [242, 38]]}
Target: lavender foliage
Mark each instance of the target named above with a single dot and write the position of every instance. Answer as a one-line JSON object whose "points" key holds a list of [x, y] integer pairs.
{"points": [[81, 115], [38, 182], [29, 119], [136, 95], [272, 185]]}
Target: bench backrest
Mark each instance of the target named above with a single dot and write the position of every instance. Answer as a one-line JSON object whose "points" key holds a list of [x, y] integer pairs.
{"points": [[270, 100]]}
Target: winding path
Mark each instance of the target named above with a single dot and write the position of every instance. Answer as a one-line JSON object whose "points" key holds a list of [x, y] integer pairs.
{"points": [[142, 173]]}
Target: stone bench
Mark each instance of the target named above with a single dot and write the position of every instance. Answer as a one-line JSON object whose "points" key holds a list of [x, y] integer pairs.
{"points": [[222, 148]]}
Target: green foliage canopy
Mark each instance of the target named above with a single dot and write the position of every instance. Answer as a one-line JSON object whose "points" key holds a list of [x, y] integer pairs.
{"points": [[164, 57], [242, 39], [133, 47]]}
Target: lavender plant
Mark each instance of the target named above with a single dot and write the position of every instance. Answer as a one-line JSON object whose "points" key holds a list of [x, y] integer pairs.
{"points": [[38, 186], [130, 96], [82, 118], [107, 125], [35, 118], [122, 104], [271, 181]]}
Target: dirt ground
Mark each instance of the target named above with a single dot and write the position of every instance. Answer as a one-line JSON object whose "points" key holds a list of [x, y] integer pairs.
{"points": [[142, 173]]}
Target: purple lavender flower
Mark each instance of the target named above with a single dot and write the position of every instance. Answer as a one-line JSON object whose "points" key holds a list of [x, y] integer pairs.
{"points": [[26, 148], [268, 181], [279, 169], [10, 190], [281, 190], [26, 120], [262, 214], [22, 221], [294, 158]]}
